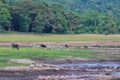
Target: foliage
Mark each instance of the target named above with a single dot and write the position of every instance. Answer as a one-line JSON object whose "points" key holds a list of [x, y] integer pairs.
{"points": [[60, 16], [5, 18]]}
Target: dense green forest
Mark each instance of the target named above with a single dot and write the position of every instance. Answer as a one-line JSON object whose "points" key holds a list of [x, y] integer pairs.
{"points": [[60, 16]]}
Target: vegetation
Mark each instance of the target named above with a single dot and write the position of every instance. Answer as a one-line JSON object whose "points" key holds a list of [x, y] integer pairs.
{"points": [[60, 16], [7, 54], [55, 37]]}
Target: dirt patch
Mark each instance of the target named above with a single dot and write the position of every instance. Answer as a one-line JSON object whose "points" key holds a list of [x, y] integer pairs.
{"points": [[22, 61], [48, 72], [51, 69]]}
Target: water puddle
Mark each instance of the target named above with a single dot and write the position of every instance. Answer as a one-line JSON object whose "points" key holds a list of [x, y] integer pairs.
{"points": [[113, 66], [83, 68], [116, 73], [81, 79], [17, 78], [92, 64]]}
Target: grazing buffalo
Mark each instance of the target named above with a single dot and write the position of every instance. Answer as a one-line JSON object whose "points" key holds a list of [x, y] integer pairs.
{"points": [[15, 45], [96, 45], [43, 46], [85, 46], [67, 46]]}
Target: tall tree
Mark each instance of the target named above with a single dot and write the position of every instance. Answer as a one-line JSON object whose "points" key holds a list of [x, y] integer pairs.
{"points": [[5, 17]]}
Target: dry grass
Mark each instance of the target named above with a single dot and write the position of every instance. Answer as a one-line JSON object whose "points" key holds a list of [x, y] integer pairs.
{"points": [[55, 37]]}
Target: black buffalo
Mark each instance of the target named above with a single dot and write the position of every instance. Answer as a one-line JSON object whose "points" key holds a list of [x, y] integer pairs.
{"points": [[96, 45], [66, 45], [43, 46], [15, 45], [85, 46]]}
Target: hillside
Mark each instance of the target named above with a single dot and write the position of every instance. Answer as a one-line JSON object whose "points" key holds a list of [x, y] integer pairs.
{"points": [[60, 16], [83, 5]]}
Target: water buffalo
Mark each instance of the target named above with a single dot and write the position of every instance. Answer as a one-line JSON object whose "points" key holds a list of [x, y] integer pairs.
{"points": [[66, 45], [15, 45], [96, 45], [43, 46], [85, 46]]}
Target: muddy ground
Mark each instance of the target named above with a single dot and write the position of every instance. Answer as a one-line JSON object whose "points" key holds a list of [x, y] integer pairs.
{"points": [[64, 69], [67, 68]]}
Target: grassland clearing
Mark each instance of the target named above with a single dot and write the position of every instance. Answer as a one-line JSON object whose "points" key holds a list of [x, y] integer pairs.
{"points": [[55, 54], [7, 53], [47, 55], [56, 37]]}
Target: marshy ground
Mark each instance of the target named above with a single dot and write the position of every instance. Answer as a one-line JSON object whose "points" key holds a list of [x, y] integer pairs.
{"points": [[103, 65]]}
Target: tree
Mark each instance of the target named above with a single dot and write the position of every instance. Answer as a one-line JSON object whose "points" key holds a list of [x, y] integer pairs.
{"points": [[60, 16], [96, 22], [5, 18]]}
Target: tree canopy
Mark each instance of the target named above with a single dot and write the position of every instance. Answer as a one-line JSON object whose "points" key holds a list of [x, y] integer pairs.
{"points": [[60, 16]]}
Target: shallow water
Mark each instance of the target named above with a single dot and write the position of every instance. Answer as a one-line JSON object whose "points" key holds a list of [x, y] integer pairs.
{"points": [[81, 79], [92, 64], [31, 75], [17, 78], [116, 73]]}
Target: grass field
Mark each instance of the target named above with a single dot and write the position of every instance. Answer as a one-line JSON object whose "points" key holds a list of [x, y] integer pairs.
{"points": [[55, 37], [7, 54]]}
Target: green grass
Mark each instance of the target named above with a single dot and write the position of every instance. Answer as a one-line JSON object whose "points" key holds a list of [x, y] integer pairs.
{"points": [[55, 37], [7, 53]]}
